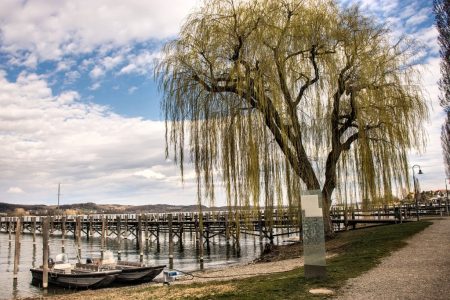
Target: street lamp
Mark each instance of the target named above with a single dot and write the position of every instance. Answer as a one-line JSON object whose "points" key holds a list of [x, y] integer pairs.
{"points": [[415, 189]]}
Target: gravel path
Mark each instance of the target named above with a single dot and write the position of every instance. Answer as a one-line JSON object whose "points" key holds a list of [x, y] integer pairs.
{"points": [[421, 270]]}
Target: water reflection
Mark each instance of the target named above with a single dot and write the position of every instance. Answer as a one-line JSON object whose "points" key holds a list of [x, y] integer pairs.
{"points": [[216, 253]]}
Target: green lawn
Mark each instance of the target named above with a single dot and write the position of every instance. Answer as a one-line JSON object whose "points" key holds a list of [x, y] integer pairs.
{"points": [[362, 250]]}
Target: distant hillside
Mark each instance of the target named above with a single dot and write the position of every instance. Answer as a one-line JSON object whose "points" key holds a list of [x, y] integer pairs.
{"points": [[91, 207]]}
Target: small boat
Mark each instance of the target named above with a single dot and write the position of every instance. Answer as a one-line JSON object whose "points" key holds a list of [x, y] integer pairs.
{"points": [[131, 272], [80, 276]]}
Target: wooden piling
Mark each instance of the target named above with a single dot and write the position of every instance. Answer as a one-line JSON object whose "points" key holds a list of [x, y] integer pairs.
{"points": [[139, 238], [17, 247], [106, 229], [237, 224], [10, 225], [78, 236], [201, 238], [33, 219], [157, 236], [181, 232], [227, 228], [63, 233], [51, 229], [102, 250], [119, 236], [170, 225], [126, 227], [146, 229], [45, 252], [92, 227], [260, 227]]}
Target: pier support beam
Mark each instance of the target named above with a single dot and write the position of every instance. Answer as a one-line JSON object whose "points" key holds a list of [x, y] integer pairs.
{"points": [[17, 247], [45, 252], [170, 225], [139, 238], [119, 237]]}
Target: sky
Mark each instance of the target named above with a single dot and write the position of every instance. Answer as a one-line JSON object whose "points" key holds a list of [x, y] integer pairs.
{"points": [[79, 105]]}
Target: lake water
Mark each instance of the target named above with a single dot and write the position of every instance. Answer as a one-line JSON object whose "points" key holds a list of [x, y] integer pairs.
{"points": [[185, 258]]}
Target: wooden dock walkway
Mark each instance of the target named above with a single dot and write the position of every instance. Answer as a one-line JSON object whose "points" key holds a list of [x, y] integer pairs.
{"points": [[229, 225]]}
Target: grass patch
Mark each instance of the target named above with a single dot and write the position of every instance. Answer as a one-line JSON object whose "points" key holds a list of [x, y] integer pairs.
{"points": [[361, 250]]}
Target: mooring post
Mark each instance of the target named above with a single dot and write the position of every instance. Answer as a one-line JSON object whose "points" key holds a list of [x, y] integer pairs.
{"points": [[207, 237], [197, 229], [106, 228], [200, 227], [63, 233], [10, 225], [119, 236], [146, 229], [51, 225], [78, 236], [126, 227], [17, 247], [260, 227], [137, 228], [89, 228], [45, 253], [102, 241], [237, 222], [33, 219], [170, 225], [139, 236], [181, 232]]}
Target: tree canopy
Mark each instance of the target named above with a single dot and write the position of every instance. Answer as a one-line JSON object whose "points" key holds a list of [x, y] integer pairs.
{"points": [[274, 97], [442, 12]]}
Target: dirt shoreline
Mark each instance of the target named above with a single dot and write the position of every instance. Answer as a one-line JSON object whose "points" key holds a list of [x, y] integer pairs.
{"points": [[230, 272], [241, 271], [275, 259]]}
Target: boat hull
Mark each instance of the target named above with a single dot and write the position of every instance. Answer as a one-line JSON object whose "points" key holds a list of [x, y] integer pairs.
{"points": [[137, 274], [77, 280]]}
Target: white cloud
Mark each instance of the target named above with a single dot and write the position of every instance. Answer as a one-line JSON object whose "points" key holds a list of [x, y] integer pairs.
{"points": [[419, 17], [130, 68], [110, 62], [15, 190], [52, 29], [132, 89], [97, 72], [71, 77], [150, 174], [68, 97], [95, 154], [95, 86], [141, 63]]}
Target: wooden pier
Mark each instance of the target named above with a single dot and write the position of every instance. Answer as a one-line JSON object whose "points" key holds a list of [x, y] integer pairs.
{"points": [[151, 226]]}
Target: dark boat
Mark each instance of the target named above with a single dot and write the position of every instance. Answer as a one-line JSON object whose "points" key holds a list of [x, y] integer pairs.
{"points": [[131, 272], [80, 276], [136, 272]]}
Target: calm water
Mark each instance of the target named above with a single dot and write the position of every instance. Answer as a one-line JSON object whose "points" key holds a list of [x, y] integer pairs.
{"points": [[185, 258]]}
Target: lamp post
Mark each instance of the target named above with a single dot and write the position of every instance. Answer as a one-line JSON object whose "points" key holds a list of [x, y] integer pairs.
{"points": [[415, 189]]}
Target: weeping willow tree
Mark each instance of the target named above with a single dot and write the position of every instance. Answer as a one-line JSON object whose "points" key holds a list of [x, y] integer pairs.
{"points": [[273, 97]]}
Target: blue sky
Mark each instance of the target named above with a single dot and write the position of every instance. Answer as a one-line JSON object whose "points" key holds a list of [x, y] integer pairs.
{"points": [[79, 105]]}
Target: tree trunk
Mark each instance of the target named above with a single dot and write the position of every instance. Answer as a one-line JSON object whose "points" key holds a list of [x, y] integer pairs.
{"points": [[328, 225]]}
